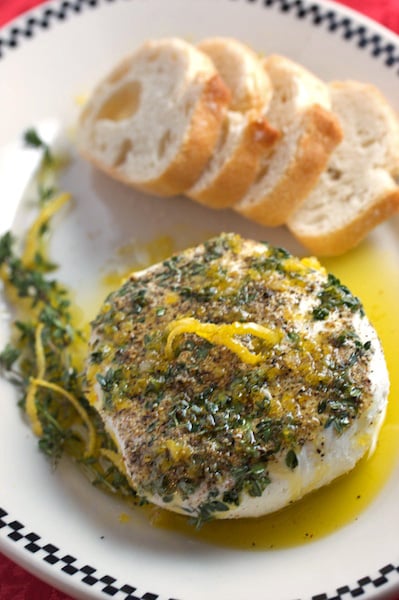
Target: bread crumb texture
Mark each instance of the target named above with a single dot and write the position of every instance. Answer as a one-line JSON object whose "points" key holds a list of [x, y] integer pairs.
{"points": [[261, 135]]}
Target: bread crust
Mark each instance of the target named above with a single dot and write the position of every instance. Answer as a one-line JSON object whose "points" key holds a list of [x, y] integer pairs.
{"points": [[241, 70], [196, 148], [211, 98], [321, 134], [247, 136], [358, 191], [340, 240], [238, 172], [198, 143], [267, 182]]}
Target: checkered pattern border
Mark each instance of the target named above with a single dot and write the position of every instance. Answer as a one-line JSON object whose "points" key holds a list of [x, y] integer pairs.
{"points": [[363, 585], [319, 16], [52, 555], [43, 19], [109, 586], [336, 23]]}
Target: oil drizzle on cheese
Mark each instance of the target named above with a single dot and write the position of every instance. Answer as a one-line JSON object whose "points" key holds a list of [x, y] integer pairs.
{"points": [[373, 275], [136, 256], [128, 258]]}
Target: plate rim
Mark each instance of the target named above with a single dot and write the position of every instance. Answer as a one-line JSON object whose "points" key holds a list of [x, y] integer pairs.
{"points": [[322, 12], [337, 19]]}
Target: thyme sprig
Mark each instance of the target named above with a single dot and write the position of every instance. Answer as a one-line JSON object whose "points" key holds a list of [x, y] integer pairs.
{"points": [[39, 300]]}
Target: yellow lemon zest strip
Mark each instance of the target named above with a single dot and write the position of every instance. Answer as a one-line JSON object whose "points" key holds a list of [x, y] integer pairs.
{"points": [[31, 410], [78, 407], [115, 459], [30, 405], [32, 236], [39, 352], [223, 335], [239, 349]]}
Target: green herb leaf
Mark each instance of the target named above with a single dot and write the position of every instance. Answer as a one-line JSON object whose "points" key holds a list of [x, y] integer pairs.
{"points": [[9, 356], [335, 295], [33, 140], [291, 459], [206, 512], [6, 244]]}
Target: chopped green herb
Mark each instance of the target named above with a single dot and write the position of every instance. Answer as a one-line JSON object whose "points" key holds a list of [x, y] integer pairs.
{"points": [[8, 357], [33, 140], [207, 511], [335, 295], [291, 459]]}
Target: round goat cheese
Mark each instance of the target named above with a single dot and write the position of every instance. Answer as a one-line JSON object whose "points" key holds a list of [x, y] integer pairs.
{"points": [[235, 378]]}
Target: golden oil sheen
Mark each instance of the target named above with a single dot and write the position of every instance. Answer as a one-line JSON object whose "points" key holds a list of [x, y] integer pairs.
{"points": [[373, 275]]}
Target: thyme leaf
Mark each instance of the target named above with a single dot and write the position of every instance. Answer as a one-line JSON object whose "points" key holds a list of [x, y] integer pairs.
{"points": [[335, 295], [8, 357], [291, 459], [206, 512], [33, 140]]}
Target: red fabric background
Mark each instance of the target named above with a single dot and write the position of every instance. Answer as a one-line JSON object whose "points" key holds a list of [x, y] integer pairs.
{"points": [[15, 583]]}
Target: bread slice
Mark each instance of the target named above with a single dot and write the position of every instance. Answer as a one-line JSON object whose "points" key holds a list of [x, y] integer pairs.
{"points": [[245, 140], [300, 108], [246, 134], [155, 120], [241, 70], [358, 189]]}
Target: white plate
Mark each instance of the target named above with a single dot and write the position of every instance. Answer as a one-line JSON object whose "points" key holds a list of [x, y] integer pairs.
{"points": [[56, 524]]}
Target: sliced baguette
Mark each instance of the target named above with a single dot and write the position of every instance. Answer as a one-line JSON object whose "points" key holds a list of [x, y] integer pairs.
{"points": [[300, 108], [246, 136], [154, 121], [241, 70], [245, 140], [358, 190]]}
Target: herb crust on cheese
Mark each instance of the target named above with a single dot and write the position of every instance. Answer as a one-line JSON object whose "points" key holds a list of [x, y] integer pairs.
{"points": [[222, 363]]}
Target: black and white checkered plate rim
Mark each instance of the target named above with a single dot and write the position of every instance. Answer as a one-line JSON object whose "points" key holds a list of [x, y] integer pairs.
{"points": [[323, 16], [107, 585], [334, 22]]}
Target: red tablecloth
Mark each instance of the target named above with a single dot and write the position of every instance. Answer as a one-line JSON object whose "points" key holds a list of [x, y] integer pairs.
{"points": [[15, 583]]}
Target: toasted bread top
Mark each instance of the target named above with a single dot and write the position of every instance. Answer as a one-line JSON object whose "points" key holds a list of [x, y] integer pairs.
{"points": [[358, 188], [154, 120]]}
